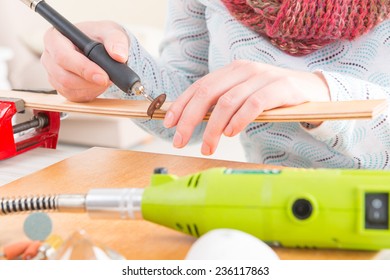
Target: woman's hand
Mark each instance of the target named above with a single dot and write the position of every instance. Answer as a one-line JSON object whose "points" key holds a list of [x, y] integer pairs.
{"points": [[71, 73], [238, 93]]}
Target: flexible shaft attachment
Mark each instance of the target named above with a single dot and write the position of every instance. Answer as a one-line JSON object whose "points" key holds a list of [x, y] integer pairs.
{"points": [[59, 203], [98, 203]]}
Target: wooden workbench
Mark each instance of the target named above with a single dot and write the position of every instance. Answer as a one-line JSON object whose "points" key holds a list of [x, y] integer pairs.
{"points": [[108, 168]]}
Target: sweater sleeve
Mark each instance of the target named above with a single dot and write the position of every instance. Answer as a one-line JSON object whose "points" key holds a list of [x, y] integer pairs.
{"points": [[183, 59], [359, 139]]}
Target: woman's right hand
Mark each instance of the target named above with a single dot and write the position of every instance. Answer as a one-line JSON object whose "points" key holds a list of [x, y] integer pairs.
{"points": [[71, 73]]}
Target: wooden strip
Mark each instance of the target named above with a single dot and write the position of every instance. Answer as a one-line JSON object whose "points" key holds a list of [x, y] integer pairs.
{"points": [[311, 111]]}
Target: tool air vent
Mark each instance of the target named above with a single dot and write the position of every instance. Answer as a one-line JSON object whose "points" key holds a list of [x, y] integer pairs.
{"points": [[193, 181], [191, 229]]}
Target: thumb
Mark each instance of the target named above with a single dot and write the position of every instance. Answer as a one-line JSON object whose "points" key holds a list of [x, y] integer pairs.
{"points": [[112, 35], [116, 42]]}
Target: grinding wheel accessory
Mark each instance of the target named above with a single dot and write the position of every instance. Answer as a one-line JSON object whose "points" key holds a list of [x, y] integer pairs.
{"points": [[156, 104]]}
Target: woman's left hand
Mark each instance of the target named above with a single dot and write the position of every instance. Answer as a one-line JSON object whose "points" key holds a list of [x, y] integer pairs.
{"points": [[238, 93]]}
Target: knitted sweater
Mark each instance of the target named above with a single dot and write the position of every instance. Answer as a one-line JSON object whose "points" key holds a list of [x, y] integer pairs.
{"points": [[202, 36]]}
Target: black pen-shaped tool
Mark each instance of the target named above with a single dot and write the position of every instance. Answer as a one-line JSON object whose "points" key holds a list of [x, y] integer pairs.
{"points": [[120, 74]]}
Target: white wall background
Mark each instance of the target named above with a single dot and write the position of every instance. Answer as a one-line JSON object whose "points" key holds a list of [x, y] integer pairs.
{"points": [[146, 12], [22, 30]]}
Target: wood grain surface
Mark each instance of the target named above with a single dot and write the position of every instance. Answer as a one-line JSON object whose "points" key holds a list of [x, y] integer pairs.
{"points": [[108, 168]]}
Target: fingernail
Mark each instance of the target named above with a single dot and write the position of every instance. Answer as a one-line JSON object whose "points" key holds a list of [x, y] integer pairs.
{"points": [[177, 140], [120, 50], [100, 79], [168, 120], [206, 150], [228, 130]]}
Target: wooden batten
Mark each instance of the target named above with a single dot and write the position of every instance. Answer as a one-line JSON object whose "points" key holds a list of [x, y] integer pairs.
{"points": [[307, 112]]}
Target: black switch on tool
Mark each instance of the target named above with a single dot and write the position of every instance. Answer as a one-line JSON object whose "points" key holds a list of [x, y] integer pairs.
{"points": [[377, 210]]}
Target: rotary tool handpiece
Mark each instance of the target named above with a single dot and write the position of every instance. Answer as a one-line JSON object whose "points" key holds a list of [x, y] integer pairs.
{"points": [[120, 74]]}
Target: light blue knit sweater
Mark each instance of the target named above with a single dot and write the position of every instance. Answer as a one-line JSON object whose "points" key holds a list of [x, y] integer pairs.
{"points": [[202, 36]]}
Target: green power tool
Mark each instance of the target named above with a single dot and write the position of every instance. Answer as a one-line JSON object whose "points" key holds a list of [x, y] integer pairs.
{"points": [[310, 208]]}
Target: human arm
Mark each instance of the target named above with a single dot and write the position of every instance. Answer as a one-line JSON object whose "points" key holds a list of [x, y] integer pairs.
{"points": [[183, 59], [238, 93], [71, 73], [366, 141]]}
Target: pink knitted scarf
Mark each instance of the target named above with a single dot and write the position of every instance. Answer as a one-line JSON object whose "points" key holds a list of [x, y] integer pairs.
{"points": [[300, 27]]}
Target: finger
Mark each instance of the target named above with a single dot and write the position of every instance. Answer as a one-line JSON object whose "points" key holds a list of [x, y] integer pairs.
{"points": [[14, 250], [32, 250], [81, 94], [218, 84], [226, 107], [207, 91], [72, 86], [175, 109], [65, 77], [63, 53], [112, 35], [204, 96], [271, 96], [117, 43]]}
